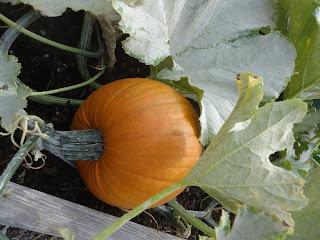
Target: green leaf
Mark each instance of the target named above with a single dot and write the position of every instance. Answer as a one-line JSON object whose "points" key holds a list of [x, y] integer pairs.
{"points": [[235, 168], [9, 70], [299, 20], [250, 96], [309, 125], [12, 97], [210, 43], [223, 229], [249, 224], [66, 233], [307, 220], [299, 165]]}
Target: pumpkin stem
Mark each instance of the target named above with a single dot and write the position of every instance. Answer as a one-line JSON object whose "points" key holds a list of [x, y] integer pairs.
{"points": [[72, 145]]}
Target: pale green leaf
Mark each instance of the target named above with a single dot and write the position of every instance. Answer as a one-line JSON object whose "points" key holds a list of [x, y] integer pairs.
{"points": [[66, 233], [12, 97], [134, 3], [223, 229], [249, 224], [309, 125], [250, 96], [148, 29], [235, 168], [9, 70], [300, 164], [214, 71], [54, 8], [210, 43], [307, 220], [299, 19]]}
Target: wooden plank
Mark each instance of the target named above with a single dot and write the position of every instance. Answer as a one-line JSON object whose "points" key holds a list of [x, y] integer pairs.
{"points": [[37, 211]]}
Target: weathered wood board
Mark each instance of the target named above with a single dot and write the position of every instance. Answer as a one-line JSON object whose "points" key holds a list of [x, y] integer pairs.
{"points": [[37, 211]]}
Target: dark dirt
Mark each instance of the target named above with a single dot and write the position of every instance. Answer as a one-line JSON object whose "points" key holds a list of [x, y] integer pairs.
{"points": [[45, 68]]}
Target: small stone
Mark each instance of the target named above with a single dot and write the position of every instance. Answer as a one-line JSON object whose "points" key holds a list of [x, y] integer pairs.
{"points": [[43, 32]]}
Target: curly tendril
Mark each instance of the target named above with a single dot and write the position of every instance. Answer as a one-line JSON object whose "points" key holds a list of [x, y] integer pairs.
{"points": [[28, 124]]}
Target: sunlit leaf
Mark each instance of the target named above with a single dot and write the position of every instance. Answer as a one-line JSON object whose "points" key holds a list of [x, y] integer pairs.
{"points": [[300, 21]]}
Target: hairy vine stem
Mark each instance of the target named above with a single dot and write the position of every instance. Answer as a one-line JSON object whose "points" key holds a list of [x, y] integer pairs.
{"points": [[47, 41], [89, 24], [191, 219], [136, 211], [16, 161], [51, 100], [6, 42], [11, 34], [70, 87]]}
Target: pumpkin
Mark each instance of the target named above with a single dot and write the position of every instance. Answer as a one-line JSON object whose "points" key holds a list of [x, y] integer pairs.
{"points": [[150, 133]]}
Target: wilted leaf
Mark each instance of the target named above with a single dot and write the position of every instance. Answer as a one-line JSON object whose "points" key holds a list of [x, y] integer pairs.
{"points": [[110, 36]]}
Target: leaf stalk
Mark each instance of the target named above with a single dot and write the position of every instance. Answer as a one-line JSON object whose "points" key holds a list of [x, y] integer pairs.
{"points": [[191, 219], [16, 161], [70, 87], [136, 211]]}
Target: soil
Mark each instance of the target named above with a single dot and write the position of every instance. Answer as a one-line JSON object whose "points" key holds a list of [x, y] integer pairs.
{"points": [[46, 68]]}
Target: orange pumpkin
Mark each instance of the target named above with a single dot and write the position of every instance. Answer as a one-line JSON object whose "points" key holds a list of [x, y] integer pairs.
{"points": [[150, 133]]}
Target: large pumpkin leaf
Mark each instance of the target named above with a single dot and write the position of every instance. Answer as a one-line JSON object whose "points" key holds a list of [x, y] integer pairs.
{"points": [[300, 21], [250, 224], [307, 220], [12, 97], [235, 168], [210, 43]]}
